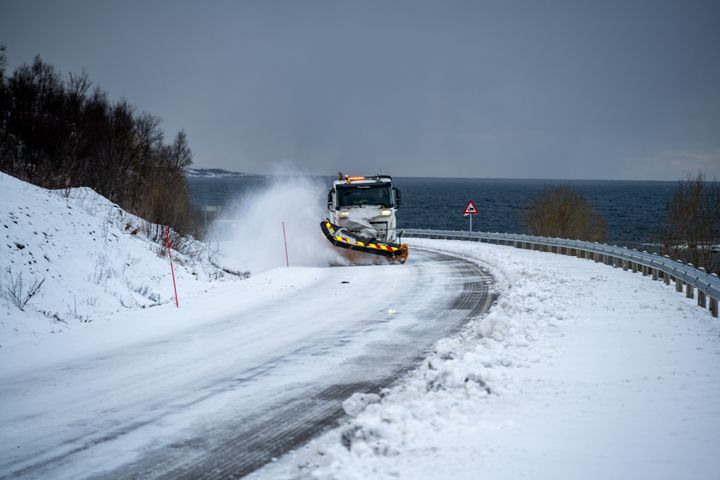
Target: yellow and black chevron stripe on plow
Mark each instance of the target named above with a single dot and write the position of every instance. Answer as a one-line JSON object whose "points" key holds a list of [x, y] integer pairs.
{"points": [[376, 248]]}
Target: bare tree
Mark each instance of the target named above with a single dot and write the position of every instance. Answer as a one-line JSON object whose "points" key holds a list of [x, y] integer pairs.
{"points": [[59, 131], [692, 228], [563, 212], [3, 59]]}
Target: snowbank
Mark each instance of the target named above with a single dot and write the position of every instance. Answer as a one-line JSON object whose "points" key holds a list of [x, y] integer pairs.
{"points": [[88, 258], [578, 371]]}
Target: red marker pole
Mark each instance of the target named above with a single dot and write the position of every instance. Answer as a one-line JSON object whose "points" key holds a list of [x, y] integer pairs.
{"points": [[172, 270], [287, 262]]}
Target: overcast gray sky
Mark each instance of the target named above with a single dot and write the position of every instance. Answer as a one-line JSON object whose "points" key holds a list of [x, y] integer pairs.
{"points": [[532, 89]]}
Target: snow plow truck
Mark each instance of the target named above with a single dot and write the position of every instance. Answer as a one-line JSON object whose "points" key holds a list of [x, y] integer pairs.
{"points": [[362, 223]]}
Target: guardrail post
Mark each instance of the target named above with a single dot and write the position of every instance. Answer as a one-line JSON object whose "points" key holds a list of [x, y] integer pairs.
{"points": [[689, 291], [644, 271], [702, 302], [654, 273], [634, 267], [714, 307], [678, 284], [666, 278]]}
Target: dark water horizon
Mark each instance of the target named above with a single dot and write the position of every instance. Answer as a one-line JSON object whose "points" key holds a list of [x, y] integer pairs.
{"points": [[635, 209]]}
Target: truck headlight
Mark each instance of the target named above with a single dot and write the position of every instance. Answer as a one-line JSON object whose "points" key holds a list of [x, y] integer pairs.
{"points": [[344, 214], [385, 212]]}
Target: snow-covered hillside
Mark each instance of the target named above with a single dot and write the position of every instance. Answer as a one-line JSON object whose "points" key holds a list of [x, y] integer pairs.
{"points": [[87, 257]]}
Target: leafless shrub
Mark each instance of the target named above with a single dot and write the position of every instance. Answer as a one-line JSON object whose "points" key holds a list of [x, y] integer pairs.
{"points": [[54, 316], [73, 312], [692, 227], [14, 290], [563, 212], [103, 271]]}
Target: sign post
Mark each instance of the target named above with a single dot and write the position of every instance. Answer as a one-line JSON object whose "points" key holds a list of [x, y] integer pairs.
{"points": [[470, 210]]}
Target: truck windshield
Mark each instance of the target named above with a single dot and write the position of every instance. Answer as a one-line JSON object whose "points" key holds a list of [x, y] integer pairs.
{"points": [[356, 195]]}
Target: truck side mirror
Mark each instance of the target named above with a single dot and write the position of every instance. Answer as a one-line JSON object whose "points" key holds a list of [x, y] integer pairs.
{"points": [[330, 200], [397, 197]]}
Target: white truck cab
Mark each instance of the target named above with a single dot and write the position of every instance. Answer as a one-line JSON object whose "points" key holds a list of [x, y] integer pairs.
{"points": [[365, 206]]}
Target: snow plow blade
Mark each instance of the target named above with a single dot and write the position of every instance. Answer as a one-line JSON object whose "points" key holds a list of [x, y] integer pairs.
{"points": [[352, 246]]}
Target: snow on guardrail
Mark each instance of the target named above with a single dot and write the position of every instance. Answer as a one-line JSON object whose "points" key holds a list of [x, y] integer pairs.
{"points": [[685, 276]]}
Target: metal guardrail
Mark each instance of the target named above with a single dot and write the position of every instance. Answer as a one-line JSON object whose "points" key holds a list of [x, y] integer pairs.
{"points": [[685, 276]]}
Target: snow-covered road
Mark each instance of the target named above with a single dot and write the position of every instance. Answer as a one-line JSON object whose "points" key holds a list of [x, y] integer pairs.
{"points": [[236, 377]]}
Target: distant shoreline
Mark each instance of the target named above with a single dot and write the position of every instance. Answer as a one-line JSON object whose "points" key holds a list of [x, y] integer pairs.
{"points": [[212, 173]]}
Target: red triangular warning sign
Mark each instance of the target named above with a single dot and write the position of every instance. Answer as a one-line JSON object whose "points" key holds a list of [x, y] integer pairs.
{"points": [[471, 209]]}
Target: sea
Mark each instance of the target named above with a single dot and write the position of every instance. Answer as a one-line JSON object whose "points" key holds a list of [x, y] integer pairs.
{"points": [[635, 210]]}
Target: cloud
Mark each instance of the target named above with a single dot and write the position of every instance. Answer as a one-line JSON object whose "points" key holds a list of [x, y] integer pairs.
{"points": [[692, 162]]}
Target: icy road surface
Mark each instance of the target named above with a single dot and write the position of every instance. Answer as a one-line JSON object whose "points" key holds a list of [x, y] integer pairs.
{"points": [[237, 382]]}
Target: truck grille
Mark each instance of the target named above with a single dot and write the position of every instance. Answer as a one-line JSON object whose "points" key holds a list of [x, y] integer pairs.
{"points": [[381, 228]]}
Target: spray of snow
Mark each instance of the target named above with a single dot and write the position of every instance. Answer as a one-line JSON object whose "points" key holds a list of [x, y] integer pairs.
{"points": [[253, 236]]}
